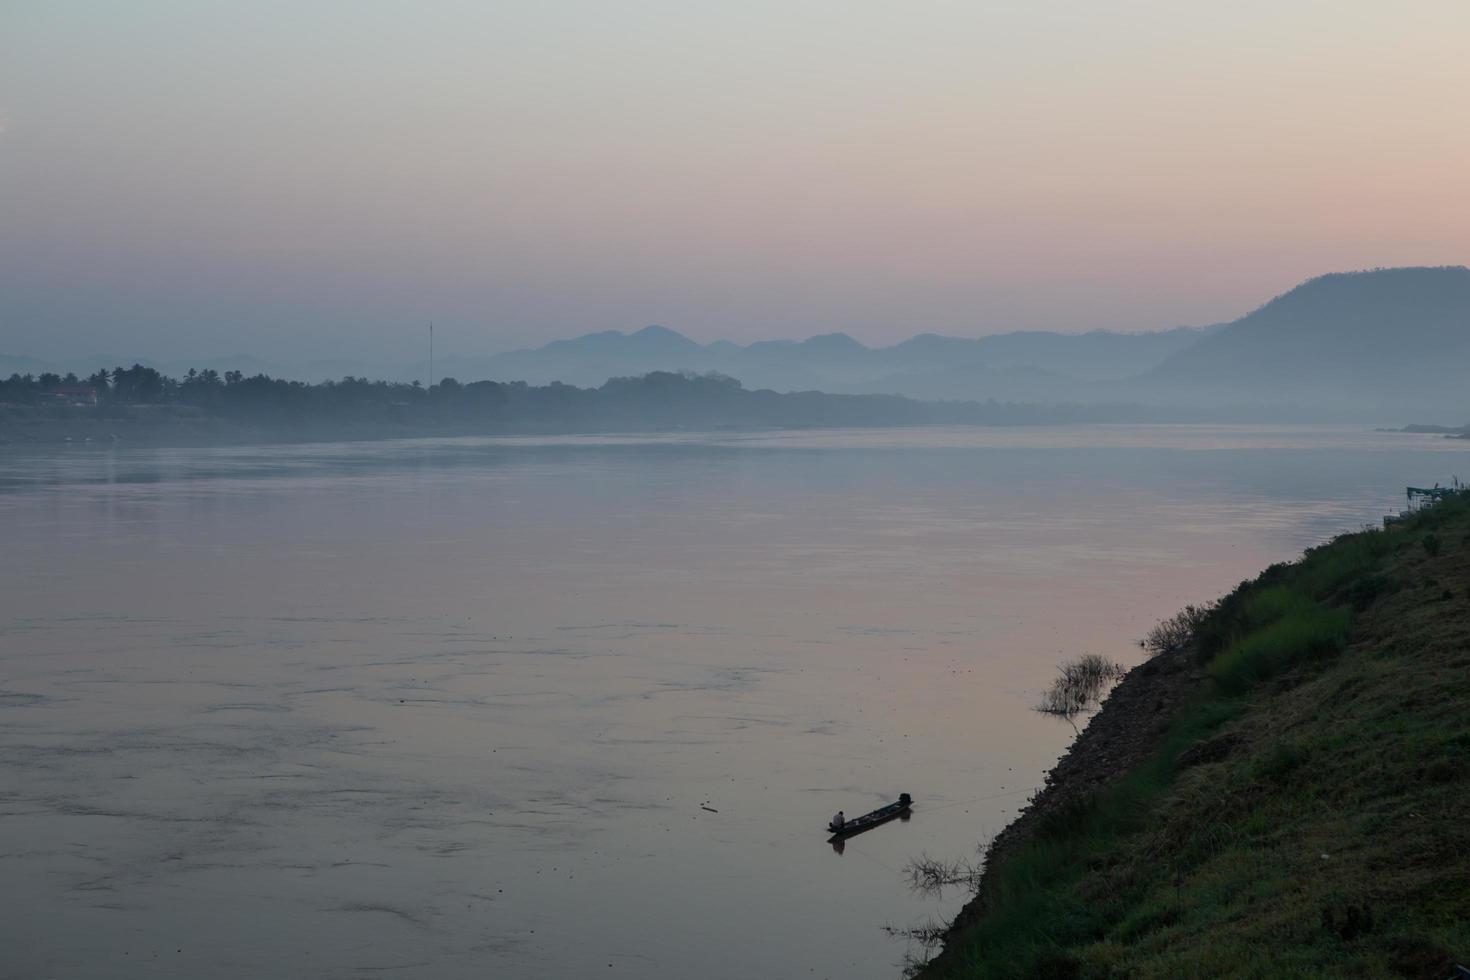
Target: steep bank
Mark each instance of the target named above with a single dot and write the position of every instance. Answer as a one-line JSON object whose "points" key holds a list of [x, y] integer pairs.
{"points": [[1286, 794]]}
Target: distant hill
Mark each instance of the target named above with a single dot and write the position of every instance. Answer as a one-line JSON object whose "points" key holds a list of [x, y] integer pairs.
{"points": [[595, 357], [1100, 355], [925, 366], [1389, 340], [1028, 365]]}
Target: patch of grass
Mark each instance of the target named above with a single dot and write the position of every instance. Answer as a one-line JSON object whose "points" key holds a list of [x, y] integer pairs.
{"points": [[1326, 569], [1363, 592], [1283, 759], [1298, 636]]}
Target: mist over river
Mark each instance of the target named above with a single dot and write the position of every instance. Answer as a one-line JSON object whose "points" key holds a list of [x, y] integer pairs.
{"points": [[571, 707]]}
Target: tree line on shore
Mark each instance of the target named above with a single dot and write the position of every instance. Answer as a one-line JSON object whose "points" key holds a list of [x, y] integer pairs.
{"points": [[232, 393], [659, 399]]}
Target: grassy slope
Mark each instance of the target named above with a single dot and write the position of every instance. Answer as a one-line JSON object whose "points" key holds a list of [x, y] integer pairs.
{"points": [[1308, 814]]}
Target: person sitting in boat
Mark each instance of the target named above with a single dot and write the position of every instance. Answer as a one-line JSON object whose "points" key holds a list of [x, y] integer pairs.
{"points": [[838, 822]]}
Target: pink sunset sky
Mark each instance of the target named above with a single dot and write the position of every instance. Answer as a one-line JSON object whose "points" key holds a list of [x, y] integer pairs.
{"points": [[288, 179]]}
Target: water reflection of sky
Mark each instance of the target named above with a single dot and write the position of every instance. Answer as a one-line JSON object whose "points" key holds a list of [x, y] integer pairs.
{"points": [[456, 706]]}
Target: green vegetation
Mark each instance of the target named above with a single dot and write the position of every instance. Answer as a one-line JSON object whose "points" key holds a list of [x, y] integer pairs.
{"points": [[1305, 815], [1287, 630], [1176, 632]]}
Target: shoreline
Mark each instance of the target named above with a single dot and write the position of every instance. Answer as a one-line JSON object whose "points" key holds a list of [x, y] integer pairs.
{"points": [[1127, 862], [59, 433], [208, 432], [1129, 726], [53, 436]]}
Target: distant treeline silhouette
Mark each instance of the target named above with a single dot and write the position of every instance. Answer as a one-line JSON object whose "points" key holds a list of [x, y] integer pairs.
{"points": [[658, 400]]}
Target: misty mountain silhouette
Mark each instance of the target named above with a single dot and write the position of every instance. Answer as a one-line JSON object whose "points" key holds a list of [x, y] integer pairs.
{"points": [[961, 367], [1389, 345], [651, 341], [1029, 365], [1385, 343], [1376, 338]]}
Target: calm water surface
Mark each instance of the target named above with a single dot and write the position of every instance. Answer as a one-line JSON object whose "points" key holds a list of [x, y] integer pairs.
{"points": [[456, 708]]}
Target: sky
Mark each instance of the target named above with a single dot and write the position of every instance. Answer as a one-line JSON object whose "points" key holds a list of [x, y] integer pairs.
{"points": [[306, 180]]}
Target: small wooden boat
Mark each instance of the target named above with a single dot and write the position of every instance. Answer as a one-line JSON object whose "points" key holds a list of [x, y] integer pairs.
{"points": [[868, 821]]}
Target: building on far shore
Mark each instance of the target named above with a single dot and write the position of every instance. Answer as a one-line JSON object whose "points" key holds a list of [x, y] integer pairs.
{"points": [[74, 394]]}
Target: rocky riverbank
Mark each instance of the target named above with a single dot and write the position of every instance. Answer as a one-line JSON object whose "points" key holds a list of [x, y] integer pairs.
{"points": [[1285, 794]]}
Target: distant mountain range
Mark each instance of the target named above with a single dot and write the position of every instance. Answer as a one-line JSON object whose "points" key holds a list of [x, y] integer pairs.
{"points": [[1389, 345], [924, 366]]}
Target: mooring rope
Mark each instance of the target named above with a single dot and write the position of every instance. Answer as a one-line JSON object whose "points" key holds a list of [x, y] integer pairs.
{"points": [[978, 799]]}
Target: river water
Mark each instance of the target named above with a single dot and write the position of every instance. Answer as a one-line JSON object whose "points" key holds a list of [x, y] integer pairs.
{"points": [[576, 707]]}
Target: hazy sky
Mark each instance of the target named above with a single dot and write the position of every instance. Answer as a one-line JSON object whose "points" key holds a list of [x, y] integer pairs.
{"points": [[303, 179]]}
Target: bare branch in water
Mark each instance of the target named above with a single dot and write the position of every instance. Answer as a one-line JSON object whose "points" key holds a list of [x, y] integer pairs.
{"points": [[930, 876], [927, 936]]}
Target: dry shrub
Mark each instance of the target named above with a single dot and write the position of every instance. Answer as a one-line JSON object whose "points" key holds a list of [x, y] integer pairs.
{"points": [[1176, 632], [1081, 682]]}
